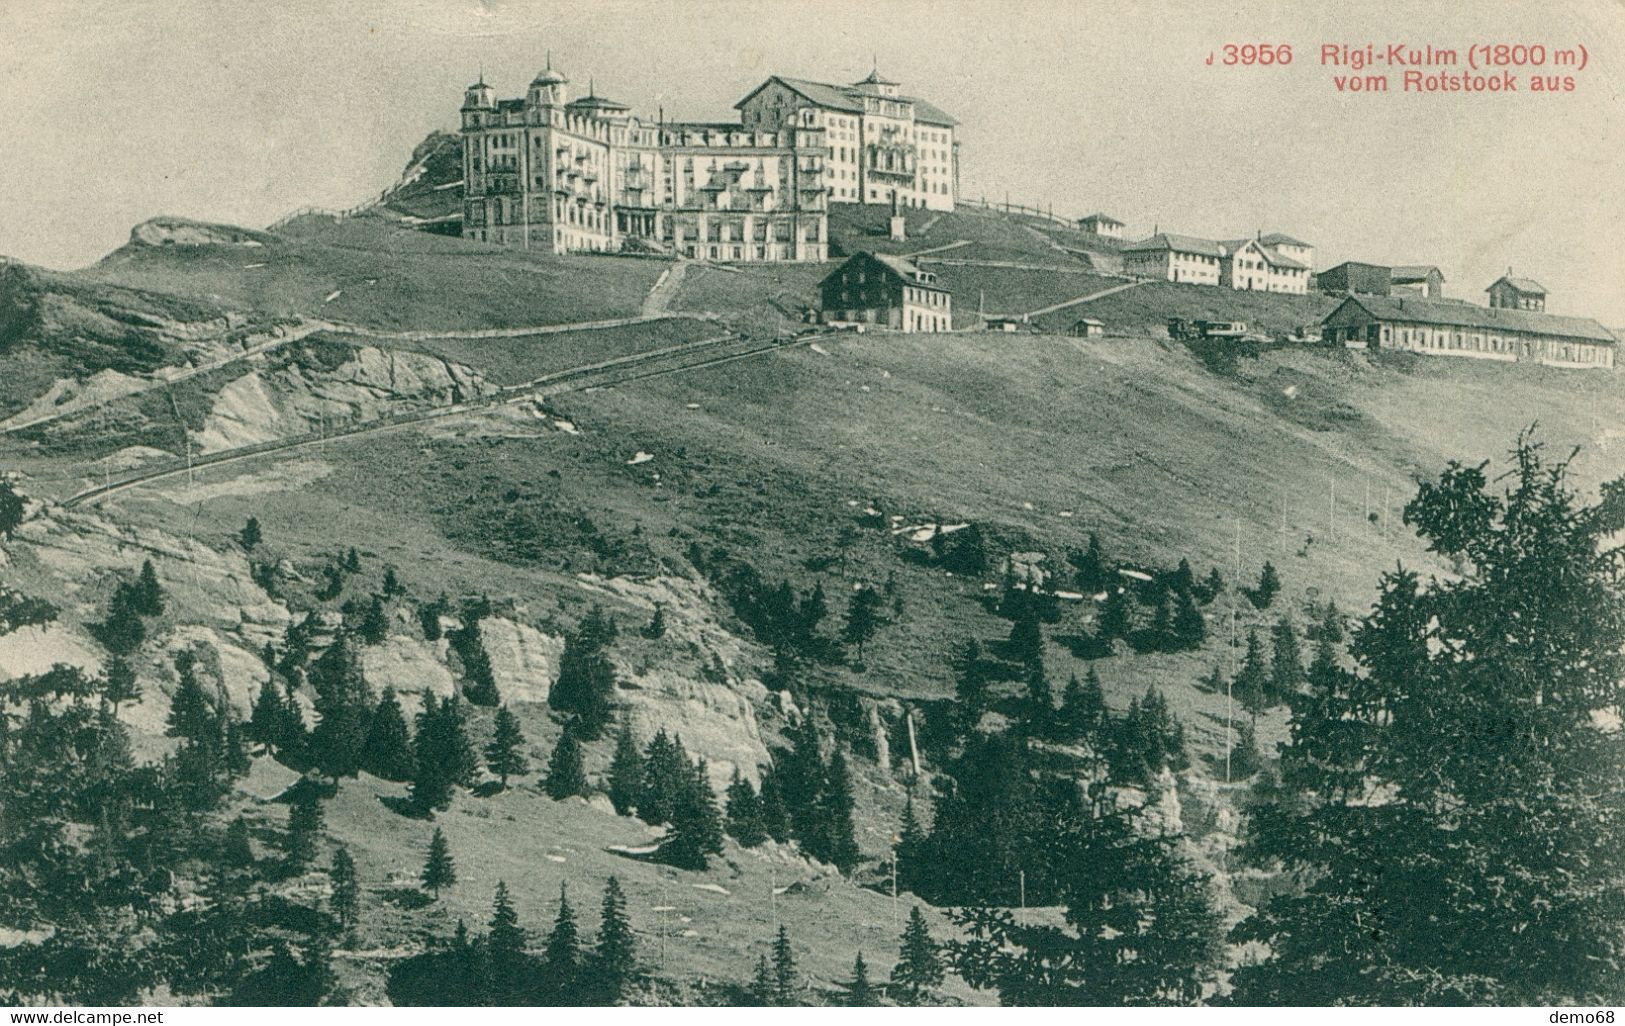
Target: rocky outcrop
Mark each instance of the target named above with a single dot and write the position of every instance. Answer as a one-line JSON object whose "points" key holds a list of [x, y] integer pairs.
{"points": [[524, 660], [180, 231], [297, 398]]}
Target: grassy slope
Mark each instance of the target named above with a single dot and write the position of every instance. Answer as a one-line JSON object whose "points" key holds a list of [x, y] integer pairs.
{"points": [[1147, 308], [516, 360], [389, 278]]}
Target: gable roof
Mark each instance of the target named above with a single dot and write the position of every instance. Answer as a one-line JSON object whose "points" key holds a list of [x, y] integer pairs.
{"points": [[1521, 284], [1407, 273], [1446, 314], [1101, 219], [847, 99], [1176, 244], [1277, 239], [902, 267], [1265, 250]]}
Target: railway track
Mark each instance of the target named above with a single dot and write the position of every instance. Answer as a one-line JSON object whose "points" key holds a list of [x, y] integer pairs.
{"points": [[675, 359]]}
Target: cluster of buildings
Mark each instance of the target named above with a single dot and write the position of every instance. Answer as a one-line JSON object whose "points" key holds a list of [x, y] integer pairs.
{"points": [[578, 174], [1267, 263]]}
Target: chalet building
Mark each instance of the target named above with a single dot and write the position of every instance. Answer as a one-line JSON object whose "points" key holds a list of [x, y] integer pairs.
{"points": [[886, 291], [1355, 278], [1423, 280], [1254, 266], [1287, 246], [1509, 293], [1103, 225], [1169, 257], [1447, 328]]}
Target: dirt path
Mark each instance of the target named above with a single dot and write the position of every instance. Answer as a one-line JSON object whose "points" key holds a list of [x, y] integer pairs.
{"points": [[1084, 299], [665, 289], [937, 249]]}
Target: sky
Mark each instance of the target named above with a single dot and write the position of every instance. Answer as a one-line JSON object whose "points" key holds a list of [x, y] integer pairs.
{"points": [[114, 111]]}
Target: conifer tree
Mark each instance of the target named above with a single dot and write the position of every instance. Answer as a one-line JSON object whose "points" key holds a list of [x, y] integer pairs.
{"points": [[352, 561], [745, 823], [1269, 585], [1183, 580], [439, 869], [625, 771], [375, 622], [503, 755], [1083, 707], [910, 849], [388, 751], [919, 966], [505, 957], [346, 890], [148, 596], [761, 984], [784, 971], [442, 753], [655, 629], [344, 703], [775, 814], [615, 959], [1252, 684], [304, 828], [862, 619], [191, 713], [249, 537], [1189, 627], [1212, 586], [696, 825], [970, 686], [859, 992], [237, 850], [119, 683], [1245, 758], [562, 958], [565, 777], [392, 583], [429, 615], [662, 775], [835, 810], [265, 719], [1093, 574], [1026, 642], [12, 509], [1040, 710], [1114, 621], [1286, 662], [586, 683], [802, 779]]}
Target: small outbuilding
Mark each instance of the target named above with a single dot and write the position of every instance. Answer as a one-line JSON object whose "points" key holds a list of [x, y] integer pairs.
{"points": [[1087, 327]]}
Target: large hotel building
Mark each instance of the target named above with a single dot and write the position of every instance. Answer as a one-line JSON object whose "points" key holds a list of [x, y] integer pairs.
{"points": [[586, 175]]}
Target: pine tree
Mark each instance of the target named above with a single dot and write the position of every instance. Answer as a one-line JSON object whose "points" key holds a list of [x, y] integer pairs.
{"points": [[1093, 574], [1040, 711], [562, 959], [662, 778], [346, 890], [862, 619], [970, 686], [12, 509], [1212, 586], [1449, 796], [1269, 584], [237, 851], [191, 713], [625, 771], [1245, 758], [835, 812], [745, 823], [388, 751], [909, 850], [565, 777], [265, 719], [1183, 580], [1251, 686], [615, 959], [344, 703], [1286, 662], [375, 622], [859, 992], [655, 629], [148, 594], [304, 828], [505, 941], [392, 583], [696, 825], [586, 683], [439, 869], [775, 814], [1115, 621], [441, 752], [1189, 627], [761, 984], [429, 615], [119, 683], [802, 779], [784, 971], [503, 755], [1084, 711], [249, 537], [352, 562], [919, 966]]}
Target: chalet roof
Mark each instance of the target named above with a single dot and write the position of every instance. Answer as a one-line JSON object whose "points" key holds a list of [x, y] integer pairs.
{"points": [[1356, 263], [1177, 244], [902, 267], [1444, 313], [1521, 284], [1277, 239], [1101, 219], [1266, 250], [1407, 273]]}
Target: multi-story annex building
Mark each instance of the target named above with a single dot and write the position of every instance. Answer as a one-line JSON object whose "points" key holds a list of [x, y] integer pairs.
{"points": [[585, 175]]}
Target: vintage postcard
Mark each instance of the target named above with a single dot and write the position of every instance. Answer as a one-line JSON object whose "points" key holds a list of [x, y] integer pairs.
{"points": [[989, 503]]}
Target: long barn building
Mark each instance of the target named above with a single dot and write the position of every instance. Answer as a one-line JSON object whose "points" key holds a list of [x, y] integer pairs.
{"points": [[1443, 328]]}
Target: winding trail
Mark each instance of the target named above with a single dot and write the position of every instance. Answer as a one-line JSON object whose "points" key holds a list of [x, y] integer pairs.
{"points": [[1085, 299]]}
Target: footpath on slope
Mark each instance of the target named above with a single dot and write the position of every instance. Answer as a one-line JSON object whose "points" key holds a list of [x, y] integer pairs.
{"points": [[1084, 299]]}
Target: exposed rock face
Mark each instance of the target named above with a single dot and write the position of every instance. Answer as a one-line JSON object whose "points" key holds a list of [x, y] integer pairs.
{"points": [[717, 722], [265, 405], [525, 661], [178, 231], [409, 665]]}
